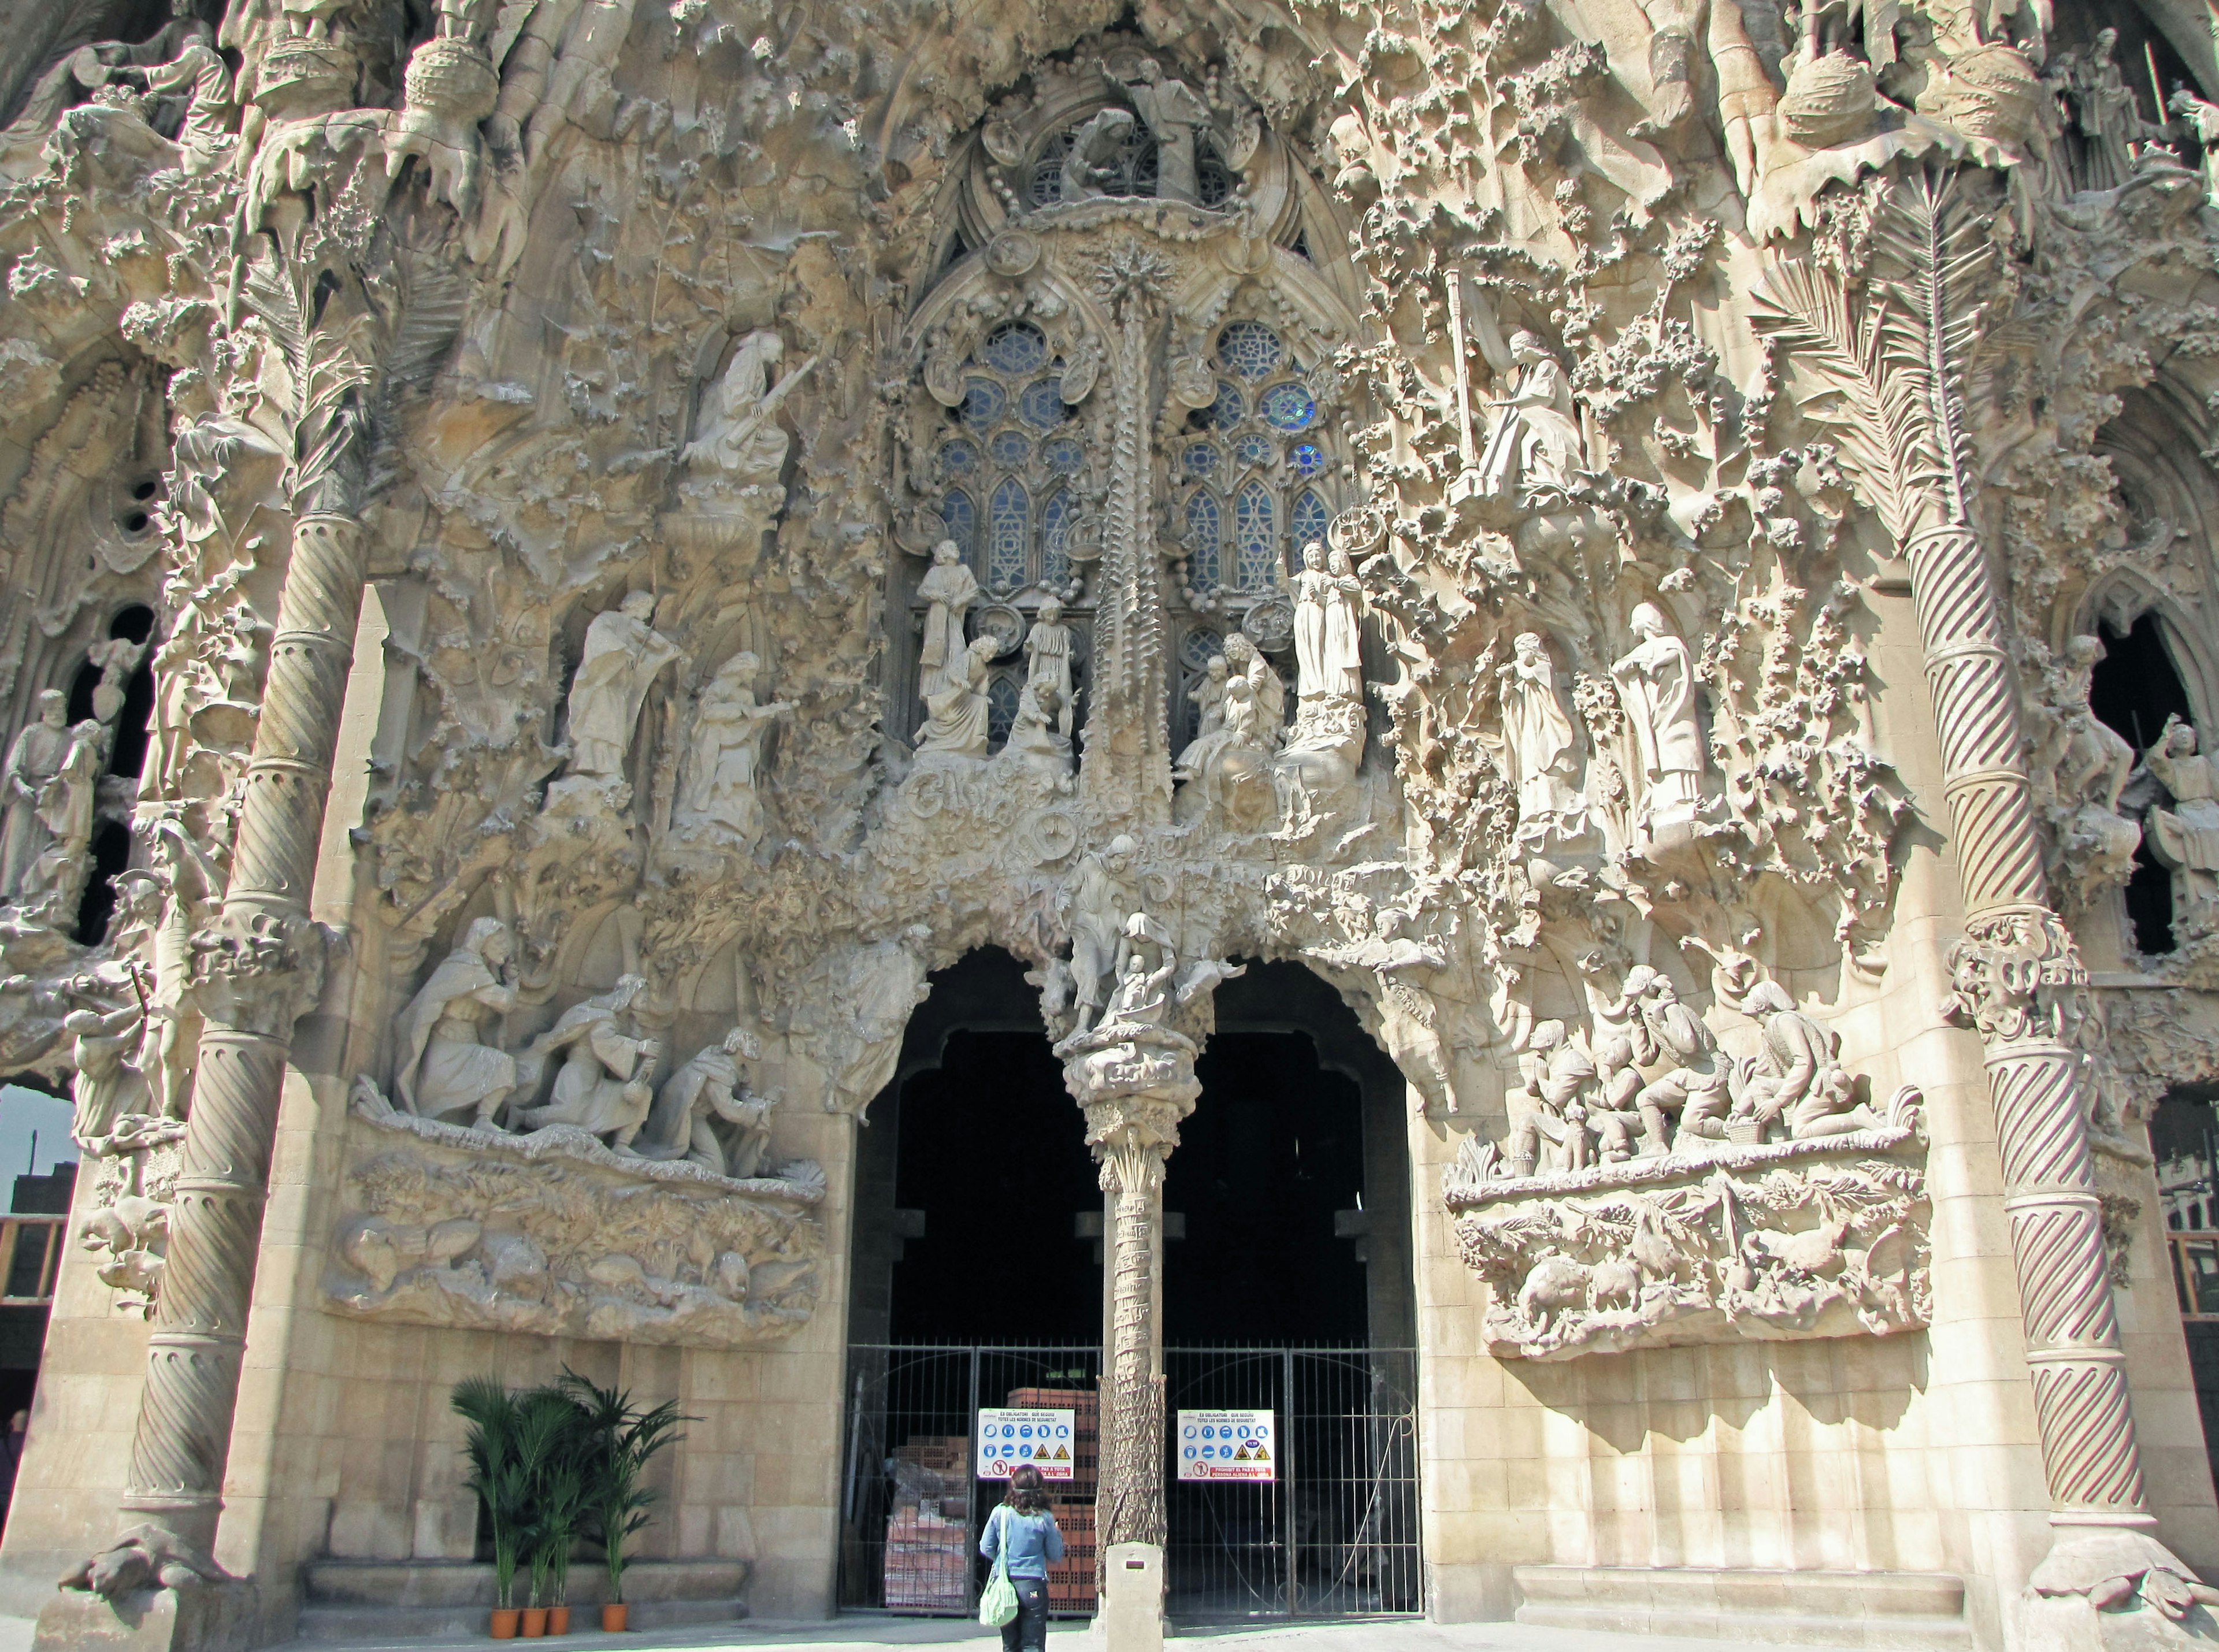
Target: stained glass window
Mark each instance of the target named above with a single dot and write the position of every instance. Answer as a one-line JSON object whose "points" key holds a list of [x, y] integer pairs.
{"points": [[1255, 536], [982, 402], [1063, 457], [1254, 450], [1289, 407], [1308, 458], [1308, 522], [1010, 449], [1008, 522], [1203, 567], [1002, 694], [962, 521], [1227, 410], [1250, 350], [1201, 460], [1042, 403], [1016, 347], [959, 459], [1057, 518]]}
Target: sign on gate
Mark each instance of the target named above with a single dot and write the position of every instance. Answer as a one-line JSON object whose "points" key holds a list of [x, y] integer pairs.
{"points": [[1009, 1439], [1227, 1445]]}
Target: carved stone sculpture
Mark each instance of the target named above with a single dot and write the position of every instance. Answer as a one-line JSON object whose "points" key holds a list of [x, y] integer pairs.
{"points": [[1656, 683], [729, 730], [707, 1115], [2185, 837], [67, 810], [1534, 452], [622, 656], [1538, 737], [606, 1082], [956, 714], [1328, 639], [737, 437], [948, 589], [443, 1063], [1173, 113], [1047, 663], [1103, 896], [34, 761]]}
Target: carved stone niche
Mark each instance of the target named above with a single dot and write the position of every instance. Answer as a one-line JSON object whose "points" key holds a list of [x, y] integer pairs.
{"points": [[1790, 1239], [553, 1234]]}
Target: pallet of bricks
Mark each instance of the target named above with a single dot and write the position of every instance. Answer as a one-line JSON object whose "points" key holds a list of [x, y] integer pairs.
{"points": [[927, 1560], [1070, 1586]]}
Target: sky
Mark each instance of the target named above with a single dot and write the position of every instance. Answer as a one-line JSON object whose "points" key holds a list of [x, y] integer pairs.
{"points": [[22, 1112]]}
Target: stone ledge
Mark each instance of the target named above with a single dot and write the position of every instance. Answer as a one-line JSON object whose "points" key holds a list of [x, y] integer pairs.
{"points": [[1917, 1611], [372, 1599]]}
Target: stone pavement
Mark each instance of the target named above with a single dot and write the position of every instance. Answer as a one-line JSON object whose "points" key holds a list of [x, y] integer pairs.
{"points": [[860, 1634]]}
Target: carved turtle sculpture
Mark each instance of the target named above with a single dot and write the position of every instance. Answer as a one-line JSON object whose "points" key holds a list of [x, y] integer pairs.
{"points": [[2113, 1569]]}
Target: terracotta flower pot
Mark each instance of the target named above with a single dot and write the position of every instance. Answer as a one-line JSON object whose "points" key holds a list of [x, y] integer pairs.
{"points": [[613, 1617], [504, 1623], [535, 1622], [558, 1620]]}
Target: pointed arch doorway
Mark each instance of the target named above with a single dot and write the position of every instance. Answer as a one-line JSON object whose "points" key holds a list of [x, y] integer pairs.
{"points": [[977, 1286]]}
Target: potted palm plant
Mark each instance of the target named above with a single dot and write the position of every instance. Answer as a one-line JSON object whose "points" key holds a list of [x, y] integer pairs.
{"points": [[548, 1439], [558, 1503], [624, 1439], [498, 1474]]}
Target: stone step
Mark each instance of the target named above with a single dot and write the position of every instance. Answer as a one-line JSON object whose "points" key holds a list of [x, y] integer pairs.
{"points": [[386, 1600], [1914, 1612]]}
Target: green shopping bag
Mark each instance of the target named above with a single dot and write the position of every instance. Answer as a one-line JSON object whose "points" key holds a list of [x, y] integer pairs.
{"points": [[998, 1605]]}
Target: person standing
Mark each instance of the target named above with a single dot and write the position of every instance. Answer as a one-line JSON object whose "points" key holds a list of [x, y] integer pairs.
{"points": [[1024, 1536]]}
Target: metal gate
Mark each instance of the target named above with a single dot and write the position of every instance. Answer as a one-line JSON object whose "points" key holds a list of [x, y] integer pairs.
{"points": [[1333, 1533]]}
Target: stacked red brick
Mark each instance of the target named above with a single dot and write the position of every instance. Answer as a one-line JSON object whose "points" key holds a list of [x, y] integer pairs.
{"points": [[1070, 1586], [927, 1560]]}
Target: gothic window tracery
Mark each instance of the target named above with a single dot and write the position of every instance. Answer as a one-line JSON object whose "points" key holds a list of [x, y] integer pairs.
{"points": [[1131, 173], [1007, 464], [1252, 467]]}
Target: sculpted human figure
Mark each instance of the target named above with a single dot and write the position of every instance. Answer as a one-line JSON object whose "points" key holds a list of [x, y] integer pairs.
{"points": [[1267, 691], [1536, 732], [1535, 445], [1172, 110], [187, 880], [948, 588], [606, 1084], [1047, 662], [1657, 685], [1556, 1070], [34, 761], [2185, 837], [956, 715], [728, 729], [1143, 995], [106, 1084], [1033, 735], [444, 1064], [707, 1089], [1106, 893], [68, 805], [1692, 1088], [1328, 600], [738, 433], [622, 656]]}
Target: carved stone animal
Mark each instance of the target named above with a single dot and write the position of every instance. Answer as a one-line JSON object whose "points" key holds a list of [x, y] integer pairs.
{"points": [[1556, 1283], [1816, 1250], [1615, 1284]]}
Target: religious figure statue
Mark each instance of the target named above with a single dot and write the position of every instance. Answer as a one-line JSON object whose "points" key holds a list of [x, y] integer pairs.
{"points": [[1047, 662], [1554, 1125], [1266, 692], [956, 715], [728, 729], [2203, 118], [34, 761], [1535, 447], [68, 806], [1105, 896], [1092, 160], [1033, 735], [444, 1065], [116, 660], [708, 1090], [107, 1085], [1796, 1080], [1666, 1033], [606, 1083], [1657, 685], [1146, 965], [1209, 720], [1328, 600], [1537, 735], [738, 434], [187, 881], [948, 588], [205, 136], [2185, 837], [623, 654], [1172, 111]]}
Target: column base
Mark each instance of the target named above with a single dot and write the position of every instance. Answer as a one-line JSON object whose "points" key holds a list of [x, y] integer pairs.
{"points": [[1132, 1615], [2115, 1589], [198, 1618]]}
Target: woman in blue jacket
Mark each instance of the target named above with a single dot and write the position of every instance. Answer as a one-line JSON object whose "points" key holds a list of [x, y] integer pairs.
{"points": [[1024, 1534]]}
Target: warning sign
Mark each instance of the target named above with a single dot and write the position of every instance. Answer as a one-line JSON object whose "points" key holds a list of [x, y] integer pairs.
{"points": [[1227, 1445], [1009, 1439]]}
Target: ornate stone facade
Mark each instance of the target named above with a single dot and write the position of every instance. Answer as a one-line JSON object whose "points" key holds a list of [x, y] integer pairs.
{"points": [[563, 558]]}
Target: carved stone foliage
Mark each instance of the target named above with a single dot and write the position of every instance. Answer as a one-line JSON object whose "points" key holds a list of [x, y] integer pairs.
{"points": [[554, 1235], [1821, 1237]]}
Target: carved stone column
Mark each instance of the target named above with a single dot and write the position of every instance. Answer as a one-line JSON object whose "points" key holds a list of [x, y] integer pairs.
{"points": [[253, 973], [2015, 974]]}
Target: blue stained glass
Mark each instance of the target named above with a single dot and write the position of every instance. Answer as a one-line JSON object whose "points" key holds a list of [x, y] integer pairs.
{"points": [[1253, 450], [1058, 517], [1250, 348], [1042, 403], [1255, 538], [1201, 460], [1202, 564], [1289, 407], [959, 458], [1309, 520], [1310, 459], [962, 519], [1010, 449], [1016, 347], [1226, 411], [1008, 522], [1063, 457], [982, 402], [1002, 695]]}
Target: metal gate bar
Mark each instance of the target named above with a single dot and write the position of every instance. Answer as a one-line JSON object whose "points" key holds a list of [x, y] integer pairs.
{"points": [[1333, 1534]]}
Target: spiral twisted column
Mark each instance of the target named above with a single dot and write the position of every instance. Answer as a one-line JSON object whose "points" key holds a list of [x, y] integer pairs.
{"points": [[2014, 973], [1131, 1495], [253, 973]]}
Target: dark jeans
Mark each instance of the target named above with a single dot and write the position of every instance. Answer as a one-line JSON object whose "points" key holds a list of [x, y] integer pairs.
{"points": [[1027, 1630]]}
